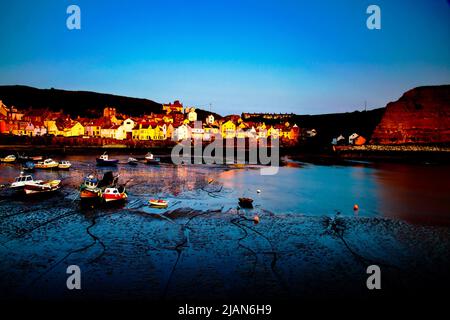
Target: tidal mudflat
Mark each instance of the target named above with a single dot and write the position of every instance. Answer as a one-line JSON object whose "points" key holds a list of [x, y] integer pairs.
{"points": [[203, 246]]}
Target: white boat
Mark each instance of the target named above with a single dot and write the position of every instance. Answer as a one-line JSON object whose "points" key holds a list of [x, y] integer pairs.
{"points": [[64, 164], [150, 159], [36, 187], [47, 164], [132, 161], [20, 181]]}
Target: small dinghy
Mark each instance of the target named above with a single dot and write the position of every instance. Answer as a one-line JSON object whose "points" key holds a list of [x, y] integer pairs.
{"points": [[246, 203], [104, 160], [150, 159], [113, 194], [40, 187], [65, 165], [160, 203], [132, 161]]}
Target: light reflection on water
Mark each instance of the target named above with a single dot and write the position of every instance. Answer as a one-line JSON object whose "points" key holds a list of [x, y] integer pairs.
{"points": [[415, 193]]}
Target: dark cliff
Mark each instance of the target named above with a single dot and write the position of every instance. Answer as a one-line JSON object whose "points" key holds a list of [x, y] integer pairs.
{"points": [[420, 116]]}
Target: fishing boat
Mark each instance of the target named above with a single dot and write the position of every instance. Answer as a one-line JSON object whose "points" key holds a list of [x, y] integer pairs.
{"points": [[28, 166], [246, 203], [160, 203], [47, 164], [89, 188], [20, 181], [8, 159], [104, 160], [114, 194], [64, 165], [41, 187], [150, 159], [132, 161]]}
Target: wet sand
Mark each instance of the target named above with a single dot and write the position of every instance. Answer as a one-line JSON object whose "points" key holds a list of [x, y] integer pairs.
{"points": [[203, 247]]}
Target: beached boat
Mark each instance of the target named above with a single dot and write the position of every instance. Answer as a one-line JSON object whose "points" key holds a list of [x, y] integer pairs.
{"points": [[160, 203], [47, 164], [132, 161], [104, 160], [41, 187], [20, 181], [246, 203], [114, 194], [8, 159], [64, 165], [89, 188], [151, 159]]}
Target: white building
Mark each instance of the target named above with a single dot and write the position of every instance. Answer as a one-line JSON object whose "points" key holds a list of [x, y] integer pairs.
{"points": [[210, 119], [192, 115], [181, 133]]}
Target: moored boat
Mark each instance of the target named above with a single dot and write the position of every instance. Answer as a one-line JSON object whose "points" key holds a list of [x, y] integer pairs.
{"points": [[246, 203], [89, 188], [47, 164], [151, 159], [114, 194], [160, 203], [8, 159], [41, 187], [104, 160], [132, 161], [20, 181], [64, 165]]}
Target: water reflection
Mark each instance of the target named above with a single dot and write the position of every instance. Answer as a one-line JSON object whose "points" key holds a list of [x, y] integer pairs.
{"points": [[415, 193]]}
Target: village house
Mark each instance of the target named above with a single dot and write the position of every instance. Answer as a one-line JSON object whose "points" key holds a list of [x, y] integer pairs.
{"points": [[210, 120], [182, 132], [192, 115], [228, 130], [92, 127], [356, 139], [175, 107], [109, 131]]}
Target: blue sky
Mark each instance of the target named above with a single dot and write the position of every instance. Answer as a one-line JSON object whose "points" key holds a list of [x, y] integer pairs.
{"points": [[306, 57]]}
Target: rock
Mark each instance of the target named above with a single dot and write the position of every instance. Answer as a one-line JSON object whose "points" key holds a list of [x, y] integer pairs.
{"points": [[420, 116]]}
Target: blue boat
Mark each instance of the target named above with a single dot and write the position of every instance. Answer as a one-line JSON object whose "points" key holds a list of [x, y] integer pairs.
{"points": [[28, 166]]}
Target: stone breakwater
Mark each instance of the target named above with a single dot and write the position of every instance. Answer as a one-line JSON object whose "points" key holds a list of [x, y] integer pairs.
{"points": [[393, 148]]}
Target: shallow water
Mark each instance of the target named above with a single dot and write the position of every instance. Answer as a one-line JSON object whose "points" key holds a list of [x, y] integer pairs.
{"points": [[414, 193], [203, 247]]}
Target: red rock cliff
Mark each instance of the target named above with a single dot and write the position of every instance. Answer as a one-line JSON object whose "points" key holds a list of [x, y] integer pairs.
{"points": [[421, 115]]}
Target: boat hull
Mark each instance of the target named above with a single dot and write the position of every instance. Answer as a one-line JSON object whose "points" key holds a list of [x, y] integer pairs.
{"points": [[90, 194], [42, 188], [46, 166], [102, 162], [114, 198]]}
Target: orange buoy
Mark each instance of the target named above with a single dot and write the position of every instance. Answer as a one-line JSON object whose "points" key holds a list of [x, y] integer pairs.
{"points": [[256, 219], [355, 207]]}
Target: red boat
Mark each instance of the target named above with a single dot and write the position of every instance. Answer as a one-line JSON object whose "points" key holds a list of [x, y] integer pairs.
{"points": [[113, 194]]}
